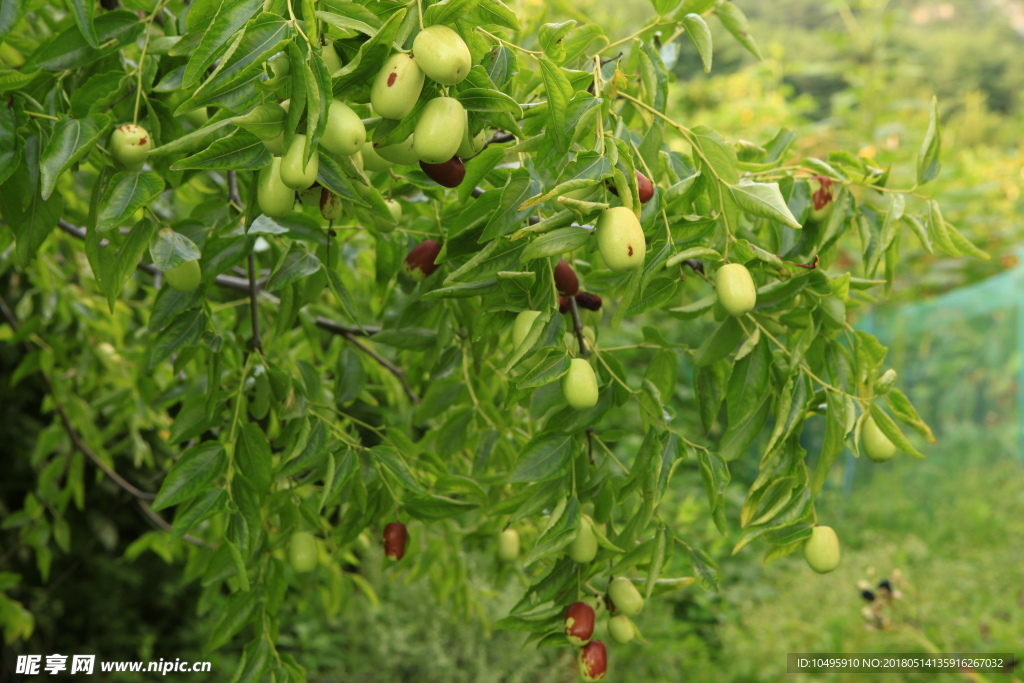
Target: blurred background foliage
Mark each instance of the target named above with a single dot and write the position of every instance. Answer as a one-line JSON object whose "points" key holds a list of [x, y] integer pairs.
{"points": [[855, 75]]}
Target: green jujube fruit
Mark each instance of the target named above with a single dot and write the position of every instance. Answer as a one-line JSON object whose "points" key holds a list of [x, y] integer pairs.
{"points": [[275, 198], [185, 277], [442, 54], [276, 145], [396, 89], [302, 552], [508, 545], [130, 145], [372, 160], [293, 173], [331, 58], [402, 153], [621, 239], [621, 629], [344, 133], [821, 550], [625, 597], [583, 548], [521, 327], [579, 385], [439, 131], [471, 146], [736, 290], [877, 445]]}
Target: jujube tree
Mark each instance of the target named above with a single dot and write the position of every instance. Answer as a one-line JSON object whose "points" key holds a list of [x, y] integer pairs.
{"points": [[417, 365]]}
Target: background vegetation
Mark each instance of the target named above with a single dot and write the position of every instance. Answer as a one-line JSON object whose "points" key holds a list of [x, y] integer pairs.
{"points": [[856, 75]]}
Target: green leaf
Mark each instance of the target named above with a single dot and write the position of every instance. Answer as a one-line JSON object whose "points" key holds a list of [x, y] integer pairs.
{"points": [[264, 36], [764, 200], [266, 121], [720, 343], [197, 468], [202, 507], [253, 456], [11, 12], [231, 15], [70, 140], [556, 243], [169, 249], [235, 615], [71, 50], [184, 331], [29, 216], [240, 152], [939, 230], [494, 13], [447, 11], [390, 458], [547, 455], [297, 264], [10, 143], [832, 445], [700, 35], [431, 508], [84, 11], [559, 92], [548, 371], [347, 23], [892, 430], [364, 65], [312, 452], [704, 568], [485, 99], [735, 22], [126, 194], [904, 410], [928, 163], [127, 259]]}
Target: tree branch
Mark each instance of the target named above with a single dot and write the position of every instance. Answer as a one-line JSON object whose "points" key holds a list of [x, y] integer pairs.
{"points": [[254, 311], [577, 326], [238, 284], [79, 443]]}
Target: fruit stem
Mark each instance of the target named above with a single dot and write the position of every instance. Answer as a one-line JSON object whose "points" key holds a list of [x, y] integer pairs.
{"points": [[577, 326]]}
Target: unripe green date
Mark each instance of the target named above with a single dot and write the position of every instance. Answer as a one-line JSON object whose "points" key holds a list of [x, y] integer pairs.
{"points": [[625, 597], [620, 239], [372, 160], [442, 54], [403, 153], [471, 146], [736, 290], [331, 58], [275, 198], [185, 277], [344, 133], [821, 550], [877, 445], [130, 145], [508, 545], [583, 548], [439, 131], [397, 87], [621, 629], [293, 173], [302, 552], [579, 385]]}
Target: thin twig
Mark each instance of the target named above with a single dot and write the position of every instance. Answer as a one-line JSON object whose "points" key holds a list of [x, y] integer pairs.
{"points": [[577, 326], [79, 443], [254, 311]]}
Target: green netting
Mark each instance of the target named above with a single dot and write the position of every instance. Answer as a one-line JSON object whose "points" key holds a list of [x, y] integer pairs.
{"points": [[958, 356]]}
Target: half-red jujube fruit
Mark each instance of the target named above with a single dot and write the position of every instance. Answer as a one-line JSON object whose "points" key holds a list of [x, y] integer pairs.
{"points": [[579, 623], [563, 304], [593, 661], [395, 538], [420, 262]]}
